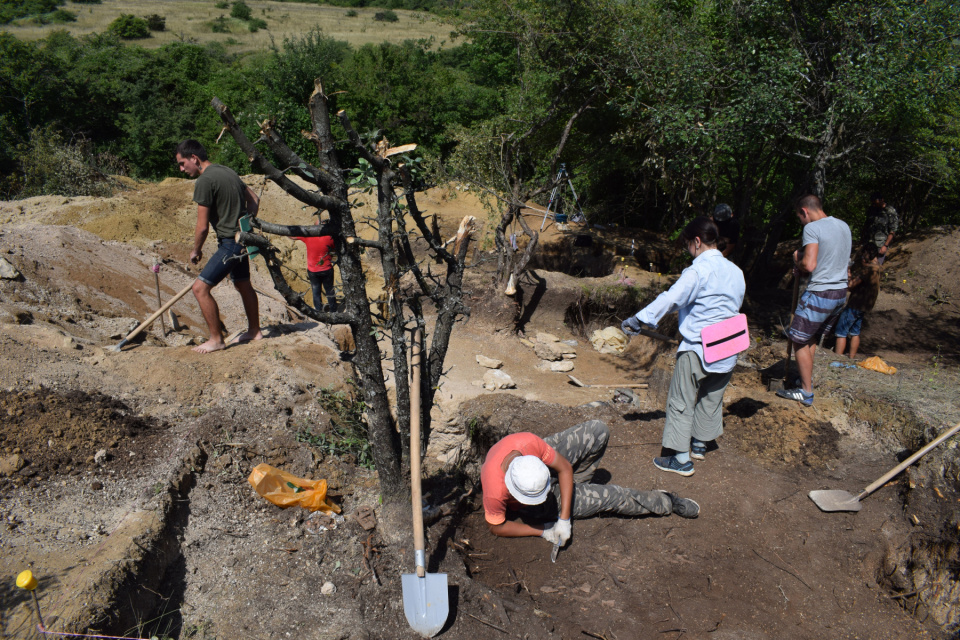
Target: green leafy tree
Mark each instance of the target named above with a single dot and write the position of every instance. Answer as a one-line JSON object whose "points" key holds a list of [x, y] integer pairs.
{"points": [[540, 55], [762, 102]]}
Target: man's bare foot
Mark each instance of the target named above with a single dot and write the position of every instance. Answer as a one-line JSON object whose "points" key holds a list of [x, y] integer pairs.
{"points": [[210, 346], [246, 336]]}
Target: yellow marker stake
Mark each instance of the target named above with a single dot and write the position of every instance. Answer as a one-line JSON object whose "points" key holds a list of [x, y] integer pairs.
{"points": [[26, 580]]}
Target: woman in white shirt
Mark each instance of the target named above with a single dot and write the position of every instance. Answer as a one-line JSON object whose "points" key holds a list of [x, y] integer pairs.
{"points": [[708, 291]]}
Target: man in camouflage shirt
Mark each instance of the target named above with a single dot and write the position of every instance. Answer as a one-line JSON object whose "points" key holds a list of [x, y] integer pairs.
{"points": [[882, 222]]}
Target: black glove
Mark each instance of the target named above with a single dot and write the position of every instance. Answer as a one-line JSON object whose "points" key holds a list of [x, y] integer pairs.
{"points": [[631, 326]]}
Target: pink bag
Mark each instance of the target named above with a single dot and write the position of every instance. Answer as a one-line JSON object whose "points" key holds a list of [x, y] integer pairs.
{"points": [[724, 339]]}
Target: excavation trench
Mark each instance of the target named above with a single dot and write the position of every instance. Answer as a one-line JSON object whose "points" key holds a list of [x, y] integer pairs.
{"points": [[198, 554]]}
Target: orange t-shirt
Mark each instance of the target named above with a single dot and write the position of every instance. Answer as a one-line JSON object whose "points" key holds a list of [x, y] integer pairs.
{"points": [[496, 496]]}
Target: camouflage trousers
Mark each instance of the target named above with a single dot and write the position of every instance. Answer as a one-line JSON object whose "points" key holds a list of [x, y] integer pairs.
{"points": [[583, 445]]}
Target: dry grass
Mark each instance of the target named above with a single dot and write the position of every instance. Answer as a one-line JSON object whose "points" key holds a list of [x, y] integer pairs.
{"points": [[190, 20]]}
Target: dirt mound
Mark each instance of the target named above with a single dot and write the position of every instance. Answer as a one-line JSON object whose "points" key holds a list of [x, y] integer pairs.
{"points": [[61, 433], [779, 435]]}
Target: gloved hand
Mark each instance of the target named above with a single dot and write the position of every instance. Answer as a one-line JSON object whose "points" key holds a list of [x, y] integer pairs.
{"points": [[563, 531], [631, 326], [550, 533]]}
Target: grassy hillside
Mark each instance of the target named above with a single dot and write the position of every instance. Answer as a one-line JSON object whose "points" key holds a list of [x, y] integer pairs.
{"points": [[191, 20]]}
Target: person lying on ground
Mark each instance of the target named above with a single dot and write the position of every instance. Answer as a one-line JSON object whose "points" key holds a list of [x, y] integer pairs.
{"points": [[547, 481], [222, 199], [709, 291], [825, 255], [864, 288]]}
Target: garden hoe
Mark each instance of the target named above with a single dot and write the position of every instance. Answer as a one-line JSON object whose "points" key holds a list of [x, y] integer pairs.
{"points": [[146, 323], [425, 600], [838, 500]]}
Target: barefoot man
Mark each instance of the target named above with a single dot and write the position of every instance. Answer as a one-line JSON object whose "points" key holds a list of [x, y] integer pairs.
{"points": [[222, 199]]}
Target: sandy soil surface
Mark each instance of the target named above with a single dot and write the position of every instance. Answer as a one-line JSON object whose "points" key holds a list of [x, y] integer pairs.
{"points": [[123, 475]]}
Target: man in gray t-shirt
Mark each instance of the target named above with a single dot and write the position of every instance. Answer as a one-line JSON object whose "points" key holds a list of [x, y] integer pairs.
{"points": [[825, 255], [829, 243]]}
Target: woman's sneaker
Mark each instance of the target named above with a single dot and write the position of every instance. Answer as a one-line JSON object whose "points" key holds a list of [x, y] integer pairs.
{"points": [[697, 450], [671, 464], [798, 394]]}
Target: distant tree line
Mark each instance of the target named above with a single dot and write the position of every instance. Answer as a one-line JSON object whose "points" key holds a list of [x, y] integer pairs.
{"points": [[659, 108]]}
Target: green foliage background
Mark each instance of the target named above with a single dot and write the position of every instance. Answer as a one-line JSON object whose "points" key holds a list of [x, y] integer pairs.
{"points": [[684, 103]]}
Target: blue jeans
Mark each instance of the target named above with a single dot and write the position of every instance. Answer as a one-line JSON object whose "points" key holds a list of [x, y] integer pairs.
{"points": [[226, 261], [323, 280], [850, 322]]}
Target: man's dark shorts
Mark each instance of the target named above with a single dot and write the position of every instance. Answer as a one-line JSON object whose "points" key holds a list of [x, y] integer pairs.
{"points": [[226, 261], [816, 313]]}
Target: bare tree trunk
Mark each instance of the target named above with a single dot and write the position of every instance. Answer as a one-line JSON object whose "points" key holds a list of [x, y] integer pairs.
{"points": [[396, 258]]}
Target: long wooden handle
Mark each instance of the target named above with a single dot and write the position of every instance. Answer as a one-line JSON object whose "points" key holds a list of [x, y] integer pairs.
{"points": [[658, 336], [159, 312], [906, 463], [793, 310], [415, 495]]}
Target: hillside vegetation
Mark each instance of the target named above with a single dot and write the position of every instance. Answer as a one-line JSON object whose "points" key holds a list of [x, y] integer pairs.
{"points": [[198, 21]]}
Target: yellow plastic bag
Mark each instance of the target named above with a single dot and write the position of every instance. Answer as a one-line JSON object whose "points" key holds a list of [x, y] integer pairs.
{"points": [[878, 365], [286, 490]]}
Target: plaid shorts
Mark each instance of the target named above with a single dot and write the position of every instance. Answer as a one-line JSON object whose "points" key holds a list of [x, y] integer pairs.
{"points": [[816, 313]]}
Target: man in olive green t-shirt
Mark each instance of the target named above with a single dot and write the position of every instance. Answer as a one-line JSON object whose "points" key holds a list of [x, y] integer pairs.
{"points": [[222, 199]]}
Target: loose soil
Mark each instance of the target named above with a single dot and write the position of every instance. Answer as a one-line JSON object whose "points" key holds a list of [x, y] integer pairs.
{"points": [[123, 475]]}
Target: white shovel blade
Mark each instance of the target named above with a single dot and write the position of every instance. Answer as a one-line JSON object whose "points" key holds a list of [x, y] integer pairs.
{"points": [[425, 602]]}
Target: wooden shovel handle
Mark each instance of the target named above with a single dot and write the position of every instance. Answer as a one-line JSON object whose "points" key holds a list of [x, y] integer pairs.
{"points": [[909, 461], [793, 311], [658, 336], [415, 493], [159, 312]]}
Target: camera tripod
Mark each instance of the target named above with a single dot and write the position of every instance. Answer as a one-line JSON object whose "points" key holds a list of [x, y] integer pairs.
{"points": [[556, 198]]}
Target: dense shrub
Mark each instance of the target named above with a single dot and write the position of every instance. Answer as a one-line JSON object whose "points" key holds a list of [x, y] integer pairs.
{"points": [[240, 11], [255, 24], [87, 1], [51, 166], [352, 13], [156, 22], [130, 27], [386, 16], [61, 16], [222, 4]]}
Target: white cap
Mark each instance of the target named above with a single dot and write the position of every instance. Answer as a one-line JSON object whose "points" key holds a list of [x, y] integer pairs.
{"points": [[528, 479]]}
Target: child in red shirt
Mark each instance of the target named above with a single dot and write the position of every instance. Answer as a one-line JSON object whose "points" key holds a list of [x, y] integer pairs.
{"points": [[320, 270]]}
